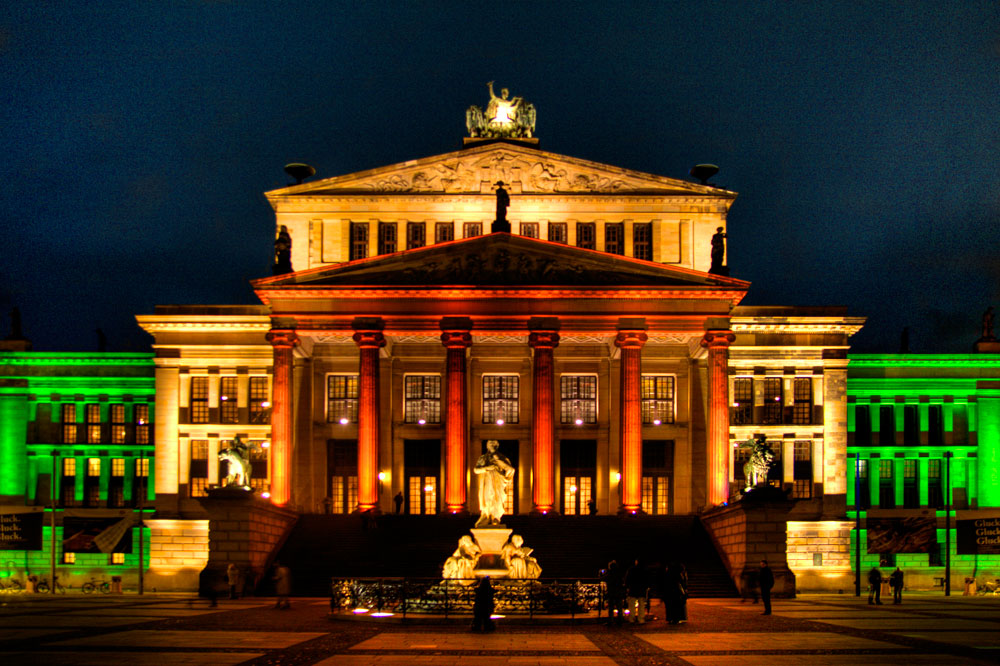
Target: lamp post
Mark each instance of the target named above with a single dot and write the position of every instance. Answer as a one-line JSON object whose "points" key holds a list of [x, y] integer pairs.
{"points": [[52, 526], [143, 473], [947, 523], [857, 525]]}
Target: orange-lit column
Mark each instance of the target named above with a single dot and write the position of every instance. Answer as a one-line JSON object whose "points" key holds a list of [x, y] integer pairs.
{"points": [[543, 421], [717, 342], [456, 428], [369, 342], [631, 342], [282, 341]]}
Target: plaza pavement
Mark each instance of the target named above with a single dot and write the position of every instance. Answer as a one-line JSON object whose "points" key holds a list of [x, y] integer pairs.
{"points": [[171, 630]]}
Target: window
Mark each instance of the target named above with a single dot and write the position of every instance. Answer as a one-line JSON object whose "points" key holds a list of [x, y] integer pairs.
{"points": [[656, 495], [886, 425], [199, 400], [911, 491], [342, 399], [344, 495], [69, 424], [422, 491], [557, 232], [642, 241], [68, 482], [198, 483], [577, 491], [529, 229], [116, 484], [802, 476], [259, 459], [935, 426], [422, 397], [886, 487], [444, 232], [500, 399], [862, 425], [386, 237], [92, 483], [863, 487], [472, 229], [93, 467], [117, 467], [773, 401], [69, 558], [141, 416], [117, 558], [416, 235], [359, 241], [776, 470], [935, 498], [911, 425], [802, 395], [118, 424], [657, 395], [142, 467], [93, 423], [578, 399], [586, 235], [614, 238], [743, 401], [229, 408], [260, 404]]}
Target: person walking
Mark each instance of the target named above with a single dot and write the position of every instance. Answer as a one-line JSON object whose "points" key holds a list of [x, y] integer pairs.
{"points": [[748, 581], [482, 606], [896, 583], [875, 587], [282, 585], [636, 588], [614, 591], [398, 501], [765, 577], [233, 578], [674, 593]]}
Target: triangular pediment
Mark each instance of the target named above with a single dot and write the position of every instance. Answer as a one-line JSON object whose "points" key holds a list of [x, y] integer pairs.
{"points": [[474, 170], [502, 260]]}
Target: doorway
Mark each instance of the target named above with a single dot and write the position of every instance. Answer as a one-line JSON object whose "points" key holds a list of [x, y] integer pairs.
{"points": [[657, 476], [422, 470], [578, 468]]}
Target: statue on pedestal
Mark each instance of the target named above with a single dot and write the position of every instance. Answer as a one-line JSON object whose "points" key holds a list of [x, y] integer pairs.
{"points": [[504, 118], [495, 474], [238, 457], [282, 252], [517, 557], [718, 252], [755, 470]]}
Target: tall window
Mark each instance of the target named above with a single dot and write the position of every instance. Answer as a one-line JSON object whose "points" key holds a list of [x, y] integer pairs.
{"points": [[259, 459], [886, 425], [557, 232], [802, 470], [472, 229], [259, 401], [911, 491], [911, 425], [68, 482], [864, 493], [141, 416], [198, 483], [657, 396], [802, 394], [359, 241], [416, 235], [116, 484], [422, 491], [117, 424], [862, 425], [199, 400], [68, 424], [935, 496], [529, 229], [92, 483], [773, 402], [614, 238], [886, 487], [229, 407], [578, 399], [586, 235], [577, 492], [743, 401], [386, 237], [642, 241], [935, 425], [342, 399], [422, 396], [500, 399], [140, 487], [444, 232], [93, 423]]}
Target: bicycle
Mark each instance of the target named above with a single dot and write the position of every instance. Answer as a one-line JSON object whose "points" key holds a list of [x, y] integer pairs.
{"points": [[94, 584], [43, 586], [11, 585]]}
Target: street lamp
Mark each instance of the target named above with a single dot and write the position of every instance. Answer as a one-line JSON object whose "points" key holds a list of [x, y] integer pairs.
{"points": [[857, 525], [947, 523]]}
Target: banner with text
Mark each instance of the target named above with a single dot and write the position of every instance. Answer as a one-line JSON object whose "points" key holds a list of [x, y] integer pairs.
{"points": [[21, 529], [978, 537]]}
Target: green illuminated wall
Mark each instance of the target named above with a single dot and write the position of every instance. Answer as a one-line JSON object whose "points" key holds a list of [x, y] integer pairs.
{"points": [[13, 438]]}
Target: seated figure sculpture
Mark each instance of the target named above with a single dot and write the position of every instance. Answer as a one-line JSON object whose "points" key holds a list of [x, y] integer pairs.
{"points": [[462, 563], [520, 564]]}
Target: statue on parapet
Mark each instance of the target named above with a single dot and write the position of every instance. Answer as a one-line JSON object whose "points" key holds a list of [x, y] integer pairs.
{"points": [[756, 468], [988, 335], [718, 253], [238, 457], [495, 474], [504, 118]]}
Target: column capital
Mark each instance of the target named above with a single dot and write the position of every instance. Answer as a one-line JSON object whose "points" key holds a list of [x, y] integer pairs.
{"points": [[456, 339], [717, 338], [631, 339], [543, 340], [369, 339], [283, 337]]}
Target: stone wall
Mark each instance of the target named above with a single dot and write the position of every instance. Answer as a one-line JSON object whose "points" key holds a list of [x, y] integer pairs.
{"points": [[819, 554], [178, 551]]}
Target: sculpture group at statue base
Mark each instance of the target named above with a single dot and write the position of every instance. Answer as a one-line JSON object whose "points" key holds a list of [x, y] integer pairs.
{"points": [[491, 551]]}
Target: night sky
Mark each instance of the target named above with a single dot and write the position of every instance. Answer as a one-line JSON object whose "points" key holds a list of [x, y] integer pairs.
{"points": [[138, 139]]}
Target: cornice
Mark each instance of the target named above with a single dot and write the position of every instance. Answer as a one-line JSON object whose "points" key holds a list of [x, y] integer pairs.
{"points": [[928, 360], [206, 323], [830, 325]]}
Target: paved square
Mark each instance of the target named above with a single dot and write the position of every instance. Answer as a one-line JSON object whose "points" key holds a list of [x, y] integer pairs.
{"points": [[479, 642], [130, 658], [913, 623], [195, 639], [818, 613], [973, 639], [73, 621], [462, 660], [882, 659], [725, 642], [8, 633]]}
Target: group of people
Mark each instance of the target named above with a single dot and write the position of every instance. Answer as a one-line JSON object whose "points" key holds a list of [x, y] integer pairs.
{"points": [[628, 593], [875, 582]]}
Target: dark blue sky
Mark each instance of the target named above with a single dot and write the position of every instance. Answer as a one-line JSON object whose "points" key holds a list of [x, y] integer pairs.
{"points": [[138, 138]]}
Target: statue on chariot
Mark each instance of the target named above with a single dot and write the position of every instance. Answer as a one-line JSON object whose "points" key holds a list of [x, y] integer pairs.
{"points": [[505, 117]]}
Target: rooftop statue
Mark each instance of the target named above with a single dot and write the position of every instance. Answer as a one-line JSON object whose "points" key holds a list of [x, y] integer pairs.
{"points": [[505, 117]]}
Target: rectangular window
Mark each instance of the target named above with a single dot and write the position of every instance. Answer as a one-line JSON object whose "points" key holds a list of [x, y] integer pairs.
{"points": [[586, 235], [93, 423], [69, 558], [743, 401], [118, 424], [863, 486], [422, 399], [802, 470], [886, 425], [657, 396], [69, 424], [472, 229], [229, 408], [500, 399], [577, 492], [862, 425], [557, 232], [911, 425], [260, 401], [935, 498], [198, 484], [342, 399], [935, 425], [386, 237], [117, 558], [416, 235], [359, 241], [886, 486], [642, 241], [92, 482], [655, 495], [141, 416], [773, 401], [529, 229], [93, 467], [199, 400], [142, 467], [802, 394], [259, 459], [911, 491], [117, 467], [578, 399], [444, 232], [614, 238], [68, 482]]}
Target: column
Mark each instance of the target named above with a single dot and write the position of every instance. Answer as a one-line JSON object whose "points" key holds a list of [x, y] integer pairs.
{"points": [[630, 343], [543, 420], [456, 428], [369, 342], [282, 341], [718, 343]]}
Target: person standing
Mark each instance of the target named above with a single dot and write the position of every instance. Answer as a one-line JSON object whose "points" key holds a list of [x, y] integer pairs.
{"points": [[282, 585], [615, 592], [766, 580], [674, 593], [482, 606], [875, 587], [398, 501], [233, 578], [636, 588], [896, 583]]}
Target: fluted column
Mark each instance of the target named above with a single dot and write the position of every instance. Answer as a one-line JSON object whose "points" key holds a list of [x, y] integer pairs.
{"points": [[717, 342], [369, 342], [282, 341], [631, 342], [543, 421], [456, 429]]}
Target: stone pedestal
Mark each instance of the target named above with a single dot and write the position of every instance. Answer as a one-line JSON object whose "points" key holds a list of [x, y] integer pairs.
{"points": [[491, 541]]}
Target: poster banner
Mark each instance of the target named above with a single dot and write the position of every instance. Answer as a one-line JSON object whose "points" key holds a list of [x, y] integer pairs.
{"points": [[902, 535], [978, 537], [98, 534], [21, 528]]}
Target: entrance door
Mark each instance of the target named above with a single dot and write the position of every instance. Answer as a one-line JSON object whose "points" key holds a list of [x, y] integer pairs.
{"points": [[342, 471], [578, 467], [657, 475], [421, 469], [509, 448]]}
